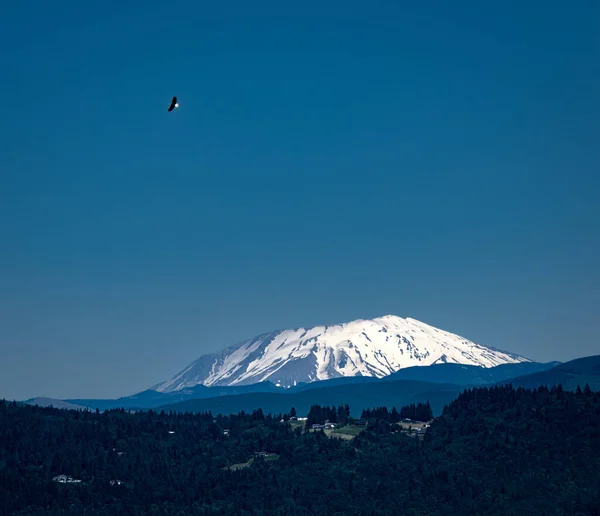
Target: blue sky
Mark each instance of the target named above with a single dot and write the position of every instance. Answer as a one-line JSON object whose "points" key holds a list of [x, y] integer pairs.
{"points": [[326, 164]]}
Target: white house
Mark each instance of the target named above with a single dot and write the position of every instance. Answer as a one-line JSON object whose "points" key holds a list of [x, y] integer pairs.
{"points": [[64, 479]]}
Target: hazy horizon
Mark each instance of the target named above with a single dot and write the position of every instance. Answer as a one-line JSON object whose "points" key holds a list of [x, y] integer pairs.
{"points": [[77, 396], [325, 164]]}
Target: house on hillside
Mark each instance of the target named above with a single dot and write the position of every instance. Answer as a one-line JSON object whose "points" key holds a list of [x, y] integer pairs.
{"points": [[326, 426], [64, 479], [263, 454]]}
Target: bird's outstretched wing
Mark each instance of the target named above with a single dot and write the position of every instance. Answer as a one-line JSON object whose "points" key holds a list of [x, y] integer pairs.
{"points": [[173, 102]]}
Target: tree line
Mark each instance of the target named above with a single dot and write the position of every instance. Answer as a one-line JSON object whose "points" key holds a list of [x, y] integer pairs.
{"points": [[318, 414], [493, 451], [420, 412]]}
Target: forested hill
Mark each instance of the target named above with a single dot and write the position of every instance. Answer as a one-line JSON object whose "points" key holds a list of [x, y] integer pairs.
{"points": [[494, 451]]}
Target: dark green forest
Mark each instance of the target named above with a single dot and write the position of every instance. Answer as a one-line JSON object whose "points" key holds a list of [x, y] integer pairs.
{"points": [[493, 451]]}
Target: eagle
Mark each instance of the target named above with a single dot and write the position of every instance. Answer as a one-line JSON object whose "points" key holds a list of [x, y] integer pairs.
{"points": [[173, 104]]}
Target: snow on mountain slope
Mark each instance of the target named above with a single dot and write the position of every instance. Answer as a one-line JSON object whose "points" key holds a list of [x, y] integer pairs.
{"points": [[376, 347]]}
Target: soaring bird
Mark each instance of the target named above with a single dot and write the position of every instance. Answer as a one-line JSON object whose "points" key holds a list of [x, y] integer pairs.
{"points": [[173, 104]]}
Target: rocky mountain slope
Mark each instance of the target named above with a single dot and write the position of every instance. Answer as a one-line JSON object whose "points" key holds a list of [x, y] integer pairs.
{"points": [[374, 348]]}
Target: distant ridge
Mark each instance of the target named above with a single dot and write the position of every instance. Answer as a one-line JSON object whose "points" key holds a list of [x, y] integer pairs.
{"points": [[51, 402], [433, 383], [457, 374], [391, 391], [573, 374], [470, 375], [357, 395]]}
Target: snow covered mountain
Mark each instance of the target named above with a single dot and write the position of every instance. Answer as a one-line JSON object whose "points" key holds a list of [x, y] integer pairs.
{"points": [[376, 347]]}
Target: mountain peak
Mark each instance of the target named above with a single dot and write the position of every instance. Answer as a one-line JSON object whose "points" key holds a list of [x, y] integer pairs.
{"points": [[363, 347]]}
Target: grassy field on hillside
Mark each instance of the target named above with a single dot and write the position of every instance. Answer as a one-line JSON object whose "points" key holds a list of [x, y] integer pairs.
{"points": [[345, 432], [242, 465]]}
